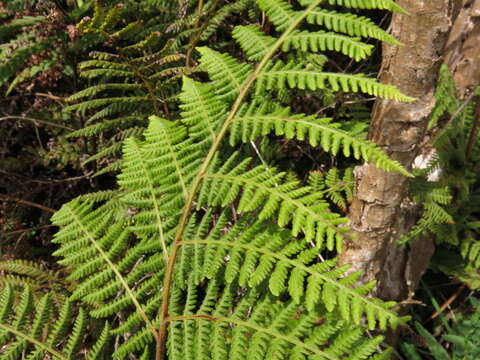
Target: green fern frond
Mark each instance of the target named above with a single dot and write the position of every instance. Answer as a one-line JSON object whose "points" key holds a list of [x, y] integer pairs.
{"points": [[350, 24], [446, 99], [202, 111], [265, 326], [18, 272], [322, 41], [222, 14], [252, 253], [279, 12], [281, 75], [226, 72], [253, 41], [434, 213], [257, 121], [45, 334], [337, 188], [29, 269], [97, 251], [265, 190], [389, 5]]}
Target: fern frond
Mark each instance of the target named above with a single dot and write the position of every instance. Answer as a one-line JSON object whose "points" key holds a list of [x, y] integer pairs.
{"points": [[353, 25], [337, 188], [202, 111], [389, 5], [222, 14], [226, 72], [45, 334], [253, 41], [280, 75], [252, 253], [321, 41], [279, 12], [264, 326], [265, 190], [97, 250], [258, 121]]}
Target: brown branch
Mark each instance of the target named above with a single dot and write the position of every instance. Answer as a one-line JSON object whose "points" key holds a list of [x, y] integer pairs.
{"points": [[28, 203], [36, 121], [447, 303], [473, 132]]}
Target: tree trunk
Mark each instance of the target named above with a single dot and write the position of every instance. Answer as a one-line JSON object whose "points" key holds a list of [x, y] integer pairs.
{"points": [[381, 211]]}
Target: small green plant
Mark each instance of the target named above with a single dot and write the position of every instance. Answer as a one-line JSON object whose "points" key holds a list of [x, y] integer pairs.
{"points": [[461, 338]]}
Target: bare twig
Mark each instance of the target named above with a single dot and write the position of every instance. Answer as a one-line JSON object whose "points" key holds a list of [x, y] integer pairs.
{"points": [[26, 202], [35, 121], [473, 132]]}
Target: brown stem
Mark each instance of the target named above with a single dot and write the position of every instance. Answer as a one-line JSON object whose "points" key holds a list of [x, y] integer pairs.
{"points": [[26, 202], [473, 132], [447, 303], [196, 37]]}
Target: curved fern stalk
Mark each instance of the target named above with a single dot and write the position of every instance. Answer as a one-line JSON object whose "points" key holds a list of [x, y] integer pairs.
{"points": [[267, 327], [287, 22], [209, 157], [46, 334]]}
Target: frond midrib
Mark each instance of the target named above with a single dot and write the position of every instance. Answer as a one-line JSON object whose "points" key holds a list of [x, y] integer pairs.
{"points": [[32, 340], [115, 270]]}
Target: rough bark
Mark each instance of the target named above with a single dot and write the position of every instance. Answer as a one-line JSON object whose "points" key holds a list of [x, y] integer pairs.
{"points": [[462, 53], [381, 211]]}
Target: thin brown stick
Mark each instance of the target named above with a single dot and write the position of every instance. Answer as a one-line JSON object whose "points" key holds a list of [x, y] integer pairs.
{"points": [[36, 121], [473, 132], [28, 203], [21, 231], [447, 303]]}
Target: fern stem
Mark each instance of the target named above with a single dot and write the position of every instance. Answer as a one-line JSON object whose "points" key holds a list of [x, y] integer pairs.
{"points": [[196, 37], [52, 351], [162, 334], [253, 326]]}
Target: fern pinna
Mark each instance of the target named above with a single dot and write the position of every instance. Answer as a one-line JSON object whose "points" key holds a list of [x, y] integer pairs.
{"points": [[205, 253]]}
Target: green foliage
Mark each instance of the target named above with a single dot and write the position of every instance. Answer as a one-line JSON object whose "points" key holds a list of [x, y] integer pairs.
{"points": [[456, 182], [461, 336], [32, 329], [24, 272], [136, 77], [204, 251]]}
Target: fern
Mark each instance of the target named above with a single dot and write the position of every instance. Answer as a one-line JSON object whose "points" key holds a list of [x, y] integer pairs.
{"points": [[138, 77], [44, 334], [19, 273], [202, 251], [225, 328]]}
